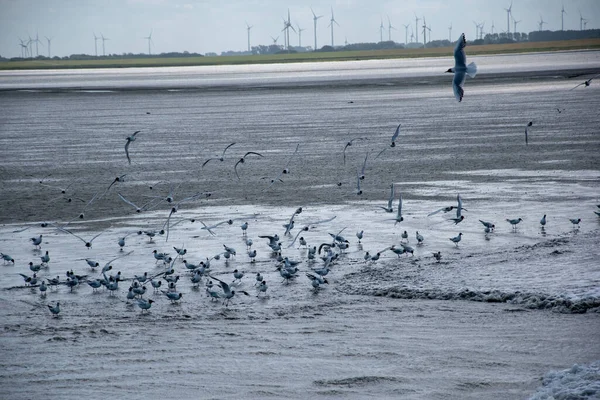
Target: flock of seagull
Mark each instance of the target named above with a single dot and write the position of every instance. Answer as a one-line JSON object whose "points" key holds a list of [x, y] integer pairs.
{"points": [[172, 268]]}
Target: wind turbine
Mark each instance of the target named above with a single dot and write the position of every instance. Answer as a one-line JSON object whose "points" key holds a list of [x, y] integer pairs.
{"points": [[103, 40], [492, 27], [149, 39], [476, 30], [24, 49], [508, 13], [541, 23], [417, 19], [381, 31], [248, 27], [37, 42], [562, 16], [585, 21], [300, 34], [405, 33], [515, 22], [315, 19], [96, 43], [331, 22], [580, 21], [424, 32], [390, 27], [450, 33], [481, 30], [286, 30], [30, 46], [49, 43], [412, 35]]}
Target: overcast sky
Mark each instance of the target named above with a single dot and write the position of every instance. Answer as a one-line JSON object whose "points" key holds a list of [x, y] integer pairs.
{"points": [[218, 25]]}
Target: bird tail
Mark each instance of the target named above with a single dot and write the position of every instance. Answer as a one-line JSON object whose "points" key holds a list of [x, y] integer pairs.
{"points": [[472, 70]]}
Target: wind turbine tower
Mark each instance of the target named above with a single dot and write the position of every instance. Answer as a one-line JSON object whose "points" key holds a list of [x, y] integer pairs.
{"points": [[96, 44], [417, 19], [405, 33], [581, 21], [103, 40], [390, 27], [562, 16], [381, 31], [149, 39], [248, 27], [315, 19], [331, 23], [508, 13], [37, 42], [492, 27], [300, 34], [424, 32], [49, 43], [450, 33]]}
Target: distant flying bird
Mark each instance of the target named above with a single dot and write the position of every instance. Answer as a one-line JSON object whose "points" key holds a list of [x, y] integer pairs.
{"points": [[586, 83], [243, 159], [219, 158], [461, 69], [129, 140], [348, 144]]}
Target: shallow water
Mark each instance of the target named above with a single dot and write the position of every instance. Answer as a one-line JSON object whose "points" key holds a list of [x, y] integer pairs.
{"points": [[489, 321]]}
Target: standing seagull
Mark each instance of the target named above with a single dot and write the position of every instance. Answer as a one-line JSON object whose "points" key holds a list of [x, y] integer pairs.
{"points": [[461, 69], [129, 140]]}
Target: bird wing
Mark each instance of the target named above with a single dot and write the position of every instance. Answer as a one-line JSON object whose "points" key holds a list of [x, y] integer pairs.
{"points": [[286, 165], [460, 58], [78, 237], [357, 181], [223, 155], [127, 201], [225, 286], [435, 212], [235, 167], [396, 133], [457, 85], [127, 150], [460, 207], [391, 199], [380, 153], [526, 139], [252, 153], [362, 172], [400, 207]]}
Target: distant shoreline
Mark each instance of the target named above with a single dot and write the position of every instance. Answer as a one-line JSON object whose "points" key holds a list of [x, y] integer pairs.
{"points": [[525, 47]]}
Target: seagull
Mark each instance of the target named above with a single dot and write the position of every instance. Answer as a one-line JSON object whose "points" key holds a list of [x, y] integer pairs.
{"points": [[586, 83], [390, 207], [348, 144], [242, 160], [173, 296], [514, 222], [420, 238], [438, 256], [459, 207], [358, 189], [359, 235], [88, 244], [145, 304], [31, 280], [138, 209], [6, 258], [399, 217], [219, 158], [45, 258], [404, 236], [362, 172], [227, 292], [461, 69], [575, 221], [488, 225], [37, 242], [395, 136], [129, 140], [290, 225], [54, 310], [286, 169], [457, 220], [444, 209], [456, 239], [317, 281], [262, 288], [543, 221], [210, 228], [527, 131]]}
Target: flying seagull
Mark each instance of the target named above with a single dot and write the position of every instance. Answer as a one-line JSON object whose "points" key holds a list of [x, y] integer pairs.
{"points": [[461, 69], [129, 140], [219, 158]]}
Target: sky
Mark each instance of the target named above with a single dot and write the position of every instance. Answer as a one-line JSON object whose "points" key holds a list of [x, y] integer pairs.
{"points": [[219, 25]]}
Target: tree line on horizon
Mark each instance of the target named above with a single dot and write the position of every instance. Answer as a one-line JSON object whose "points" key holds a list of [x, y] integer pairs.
{"points": [[495, 38]]}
